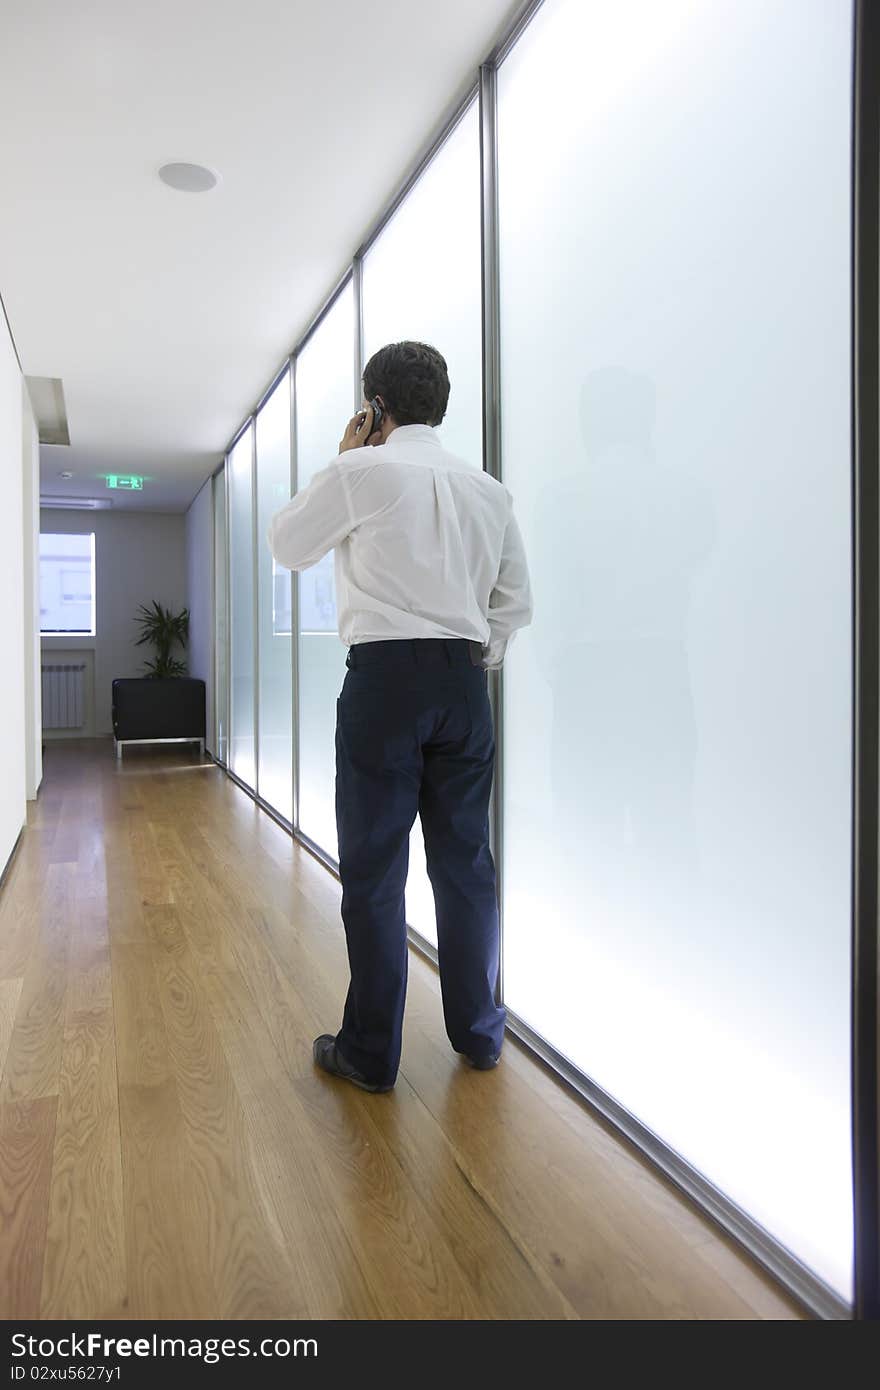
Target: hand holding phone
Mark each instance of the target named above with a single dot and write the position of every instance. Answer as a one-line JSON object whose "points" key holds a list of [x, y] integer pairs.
{"points": [[378, 414], [363, 426]]}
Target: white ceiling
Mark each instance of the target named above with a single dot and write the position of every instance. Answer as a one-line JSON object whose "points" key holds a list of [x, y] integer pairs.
{"points": [[165, 313]]}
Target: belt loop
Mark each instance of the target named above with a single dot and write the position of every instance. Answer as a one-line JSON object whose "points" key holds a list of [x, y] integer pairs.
{"points": [[350, 660], [447, 647]]}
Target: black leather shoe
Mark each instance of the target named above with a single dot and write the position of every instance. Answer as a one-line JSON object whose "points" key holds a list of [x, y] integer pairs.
{"points": [[482, 1063], [328, 1057]]}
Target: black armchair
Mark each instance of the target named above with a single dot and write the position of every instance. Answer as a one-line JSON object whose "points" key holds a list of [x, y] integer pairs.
{"points": [[158, 711]]}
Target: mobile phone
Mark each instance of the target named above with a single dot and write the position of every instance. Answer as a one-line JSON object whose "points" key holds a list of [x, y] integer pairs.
{"points": [[378, 414]]}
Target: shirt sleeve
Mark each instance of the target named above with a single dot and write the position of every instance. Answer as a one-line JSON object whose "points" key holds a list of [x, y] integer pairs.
{"points": [[312, 522], [510, 602]]}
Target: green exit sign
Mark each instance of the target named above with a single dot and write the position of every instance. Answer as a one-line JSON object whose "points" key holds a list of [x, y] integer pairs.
{"points": [[129, 481]]}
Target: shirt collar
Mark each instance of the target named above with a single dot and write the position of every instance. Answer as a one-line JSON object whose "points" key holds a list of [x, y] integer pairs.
{"points": [[411, 434]]}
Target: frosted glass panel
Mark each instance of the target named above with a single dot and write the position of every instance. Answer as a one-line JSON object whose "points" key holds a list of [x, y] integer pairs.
{"points": [[221, 620], [276, 677], [324, 405], [422, 281], [241, 599], [674, 213]]}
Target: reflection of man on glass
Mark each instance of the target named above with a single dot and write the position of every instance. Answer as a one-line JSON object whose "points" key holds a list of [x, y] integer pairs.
{"points": [[431, 583], [629, 529]]}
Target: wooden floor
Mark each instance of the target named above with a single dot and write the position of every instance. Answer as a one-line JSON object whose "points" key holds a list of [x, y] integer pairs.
{"points": [[167, 1149]]}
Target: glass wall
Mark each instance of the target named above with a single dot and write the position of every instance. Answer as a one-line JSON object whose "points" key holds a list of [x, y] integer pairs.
{"points": [[324, 405], [242, 759], [221, 628], [676, 434], [275, 696], [438, 225], [674, 249]]}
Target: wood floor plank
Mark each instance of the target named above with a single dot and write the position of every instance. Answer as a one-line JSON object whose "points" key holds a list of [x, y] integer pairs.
{"points": [[19, 918], [84, 1273], [27, 1133], [293, 1171], [250, 1271], [33, 1061], [154, 886], [304, 1212], [10, 993], [165, 1235]]}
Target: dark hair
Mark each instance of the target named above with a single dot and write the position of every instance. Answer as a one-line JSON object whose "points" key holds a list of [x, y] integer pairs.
{"points": [[412, 380]]}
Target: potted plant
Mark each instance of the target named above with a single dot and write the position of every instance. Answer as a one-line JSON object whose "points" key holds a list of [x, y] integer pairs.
{"points": [[163, 629], [165, 704]]}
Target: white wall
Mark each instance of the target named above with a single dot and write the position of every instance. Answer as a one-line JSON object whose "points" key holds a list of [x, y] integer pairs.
{"points": [[30, 461], [139, 556], [12, 722], [200, 596]]}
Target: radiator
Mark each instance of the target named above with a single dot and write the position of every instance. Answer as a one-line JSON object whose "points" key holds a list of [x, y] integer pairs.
{"points": [[62, 688]]}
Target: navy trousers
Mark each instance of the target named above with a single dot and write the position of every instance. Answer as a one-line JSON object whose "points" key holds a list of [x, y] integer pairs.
{"points": [[414, 736]]}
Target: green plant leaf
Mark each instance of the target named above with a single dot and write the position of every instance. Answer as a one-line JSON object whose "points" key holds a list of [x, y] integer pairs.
{"points": [[162, 629]]}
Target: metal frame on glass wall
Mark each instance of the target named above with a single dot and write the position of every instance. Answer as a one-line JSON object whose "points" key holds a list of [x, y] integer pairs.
{"points": [[228, 586], [491, 359], [294, 620], [216, 483], [299, 834], [866, 635], [801, 1282], [248, 423], [255, 596], [282, 376], [357, 284]]}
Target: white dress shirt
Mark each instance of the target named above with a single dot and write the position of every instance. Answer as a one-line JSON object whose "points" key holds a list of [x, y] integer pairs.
{"points": [[426, 545]]}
